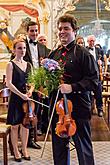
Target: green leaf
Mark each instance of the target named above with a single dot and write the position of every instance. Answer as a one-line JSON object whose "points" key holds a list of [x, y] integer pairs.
{"points": [[49, 80]]}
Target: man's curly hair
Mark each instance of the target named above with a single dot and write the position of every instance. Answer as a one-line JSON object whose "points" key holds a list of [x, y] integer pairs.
{"points": [[68, 18]]}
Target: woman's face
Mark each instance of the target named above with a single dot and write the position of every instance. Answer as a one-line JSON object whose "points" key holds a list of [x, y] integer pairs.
{"points": [[80, 42], [20, 49]]}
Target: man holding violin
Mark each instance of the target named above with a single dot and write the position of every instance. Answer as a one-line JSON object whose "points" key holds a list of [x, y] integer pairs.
{"points": [[98, 54], [80, 77]]}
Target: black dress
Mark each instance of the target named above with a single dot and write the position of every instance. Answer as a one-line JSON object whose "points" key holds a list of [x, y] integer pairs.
{"points": [[15, 110]]}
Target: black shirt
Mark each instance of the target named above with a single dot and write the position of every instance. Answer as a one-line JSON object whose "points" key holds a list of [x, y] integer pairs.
{"points": [[82, 73]]}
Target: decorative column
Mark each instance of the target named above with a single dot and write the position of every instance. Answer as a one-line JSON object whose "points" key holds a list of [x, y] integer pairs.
{"points": [[58, 8], [44, 21]]}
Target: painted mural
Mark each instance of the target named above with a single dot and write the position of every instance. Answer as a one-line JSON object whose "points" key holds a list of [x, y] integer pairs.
{"points": [[10, 11]]}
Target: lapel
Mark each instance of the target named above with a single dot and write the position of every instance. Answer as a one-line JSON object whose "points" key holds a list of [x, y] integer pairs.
{"points": [[97, 54], [28, 52], [42, 52]]}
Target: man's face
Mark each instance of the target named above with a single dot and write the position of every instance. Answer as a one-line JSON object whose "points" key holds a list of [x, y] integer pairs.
{"points": [[65, 33], [42, 40], [33, 32], [80, 42], [91, 42]]}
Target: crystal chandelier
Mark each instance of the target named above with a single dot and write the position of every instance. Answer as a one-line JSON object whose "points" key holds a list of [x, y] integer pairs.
{"points": [[97, 29]]}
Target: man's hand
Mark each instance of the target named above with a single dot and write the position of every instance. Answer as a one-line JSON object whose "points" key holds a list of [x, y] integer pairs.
{"points": [[65, 88]]}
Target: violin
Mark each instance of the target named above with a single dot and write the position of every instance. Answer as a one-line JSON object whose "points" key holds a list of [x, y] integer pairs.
{"points": [[30, 119], [66, 126]]}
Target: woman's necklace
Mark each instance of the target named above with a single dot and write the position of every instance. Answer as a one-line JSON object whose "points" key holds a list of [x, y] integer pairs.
{"points": [[19, 61], [21, 64]]}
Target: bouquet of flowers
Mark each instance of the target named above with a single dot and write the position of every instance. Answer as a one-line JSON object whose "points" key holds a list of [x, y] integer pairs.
{"points": [[46, 77]]}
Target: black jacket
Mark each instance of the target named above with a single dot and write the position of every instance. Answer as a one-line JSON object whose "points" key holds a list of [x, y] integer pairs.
{"points": [[99, 54], [43, 51]]}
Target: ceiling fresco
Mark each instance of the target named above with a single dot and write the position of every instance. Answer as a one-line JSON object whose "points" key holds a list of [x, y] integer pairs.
{"points": [[9, 2]]}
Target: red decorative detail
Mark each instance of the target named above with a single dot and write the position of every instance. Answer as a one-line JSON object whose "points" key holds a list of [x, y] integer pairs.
{"points": [[31, 12], [64, 54], [14, 8]]}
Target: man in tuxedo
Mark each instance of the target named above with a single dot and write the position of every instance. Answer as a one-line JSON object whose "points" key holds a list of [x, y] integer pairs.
{"points": [[99, 59], [35, 51]]}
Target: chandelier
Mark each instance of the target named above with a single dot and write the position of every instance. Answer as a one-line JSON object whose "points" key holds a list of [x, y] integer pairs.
{"points": [[97, 29]]}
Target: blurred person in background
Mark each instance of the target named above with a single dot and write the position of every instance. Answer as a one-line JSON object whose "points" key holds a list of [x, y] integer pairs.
{"points": [[108, 62], [104, 62], [80, 41], [42, 38], [99, 60]]}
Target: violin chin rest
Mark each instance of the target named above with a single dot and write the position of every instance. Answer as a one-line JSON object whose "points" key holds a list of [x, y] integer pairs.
{"points": [[64, 135]]}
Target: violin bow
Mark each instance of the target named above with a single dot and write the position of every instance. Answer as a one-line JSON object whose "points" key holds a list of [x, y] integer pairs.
{"points": [[49, 123], [39, 102]]}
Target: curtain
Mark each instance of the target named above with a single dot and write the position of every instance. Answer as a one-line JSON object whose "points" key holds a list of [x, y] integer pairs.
{"points": [[13, 8]]}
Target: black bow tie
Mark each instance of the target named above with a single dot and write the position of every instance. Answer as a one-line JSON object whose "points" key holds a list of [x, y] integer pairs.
{"points": [[91, 48], [32, 42]]}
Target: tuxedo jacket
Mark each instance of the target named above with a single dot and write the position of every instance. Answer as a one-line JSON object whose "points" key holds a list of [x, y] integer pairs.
{"points": [[43, 51], [98, 54]]}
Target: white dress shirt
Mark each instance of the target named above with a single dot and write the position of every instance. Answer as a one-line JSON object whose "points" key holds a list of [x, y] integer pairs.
{"points": [[34, 54], [93, 52]]}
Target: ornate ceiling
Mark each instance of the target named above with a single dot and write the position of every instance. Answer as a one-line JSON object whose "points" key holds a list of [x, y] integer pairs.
{"points": [[83, 10], [86, 11], [9, 2], [86, 14]]}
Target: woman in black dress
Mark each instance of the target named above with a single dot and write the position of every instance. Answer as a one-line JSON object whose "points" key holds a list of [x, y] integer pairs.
{"points": [[16, 74]]}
